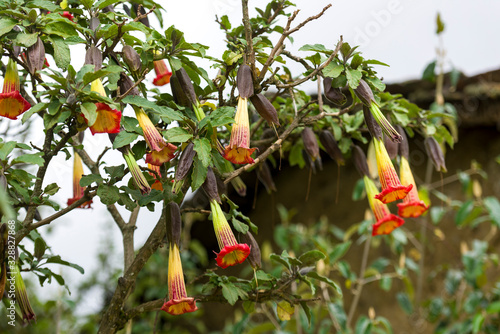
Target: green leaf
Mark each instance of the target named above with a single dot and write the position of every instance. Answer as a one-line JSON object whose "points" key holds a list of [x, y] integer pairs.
{"points": [[146, 104], [493, 308], [356, 61], [339, 250], [363, 326], [87, 180], [315, 48], [40, 248], [221, 116], [385, 283], [62, 55], [325, 279], [239, 226], [34, 159], [6, 148], [307, 311], [229, 292], [249, 306], [124, 138], [57, 259], [178, 135], [104, 3], [6, 25], [463, 212], [203, 148], [353, 77], [404, 302], [333, 70], [91, 76], [377, 83], [26, 40], [429, 72], [199, 174], [62, 29], [279, 259], [374, 62], [89, 110], [51, 189], [35, 109], [311, 257], [477, 323], [493, 206], [44, 4], [108, 194]]}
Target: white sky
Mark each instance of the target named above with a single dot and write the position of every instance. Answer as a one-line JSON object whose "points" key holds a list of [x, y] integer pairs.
{"points": [[400, 33]]}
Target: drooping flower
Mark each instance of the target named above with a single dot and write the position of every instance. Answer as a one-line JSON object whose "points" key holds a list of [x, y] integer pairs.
{"points": [[12, 104], [157, 184], [163, 74], [21, 295], [158, 158], [138, 177], [386, 222], [77, 176], [179, 302], [238, 151], [412, 205], [231, 253], [392, 189], [153, 138], [107, 119]]}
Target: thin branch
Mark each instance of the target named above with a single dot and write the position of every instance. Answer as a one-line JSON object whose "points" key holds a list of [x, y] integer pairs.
{"points": [[250, 55]]}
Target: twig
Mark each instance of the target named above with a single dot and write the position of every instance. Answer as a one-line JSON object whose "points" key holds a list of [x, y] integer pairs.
{"points": [[250, 55]]}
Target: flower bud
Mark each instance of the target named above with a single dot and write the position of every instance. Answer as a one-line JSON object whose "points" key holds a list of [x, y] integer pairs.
{"points": [[265, 108], [125, 83], [185, 163], [332, 94], [403, 145], [331, 147], [364, 93], [36, 56], [3, 182], [244, 81], [94, 23], [239, 186], [372, 125], [359, 158], [310, 143], [210, 186], [174, 234], [186, 86], [93, 56], [254, 257], [139, 10], [265, 176], [391, 147], [179, 97], [435, 152], [131, 58]]}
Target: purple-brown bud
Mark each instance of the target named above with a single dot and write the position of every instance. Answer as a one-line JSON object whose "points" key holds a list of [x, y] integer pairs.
{"points": [[131, 58], [333, 94], [125, 83], [244, 81], [186, 86], [35, 56], [174, 234], [310, 143], [185, 162], [372, 125], [331, 147], [139, 10], [391, 147], [178, 93], [210, 186], [364, 93], [265, 176], [93, 56], [254, 257], [359, 158], [435, 152], [404, 151], [265, 109]]}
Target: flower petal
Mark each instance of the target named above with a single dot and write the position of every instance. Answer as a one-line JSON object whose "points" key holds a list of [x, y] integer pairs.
{"points": [[232, 255], [387, 224], [158, 158], [239, 155], [13, 104], [412, 209], [180, 306], [107, 121], [393, 193]]}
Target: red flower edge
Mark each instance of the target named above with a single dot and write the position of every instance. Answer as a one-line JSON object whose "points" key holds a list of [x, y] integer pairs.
{"points": [[412, 209], [232, 255], [180, 306], [393, 193], [239, 155], [12, 104], [387, 224]]}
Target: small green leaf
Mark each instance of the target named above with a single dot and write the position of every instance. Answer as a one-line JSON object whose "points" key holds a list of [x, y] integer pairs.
{"points": [[311, 257], [279, 259], [404, 302], [429, 72], [39, 248], [178, 135], [26, 40], [51, 189], [229, 292], [62, 29], [493, 308], [57, 259], [439, 24], [315, 48], [34, 159], [89, 110], [62, 55], [363, 325], [339, 250], [87, 180], [239, 226], [285, 310], [333, 70], [6, 25], [203, 148], [325, 279], [477, 323], [91, 76], [35, 109], [493, 206], [353, 77], [124, 138], [6, 148], [199, 174], [108, 194]]}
